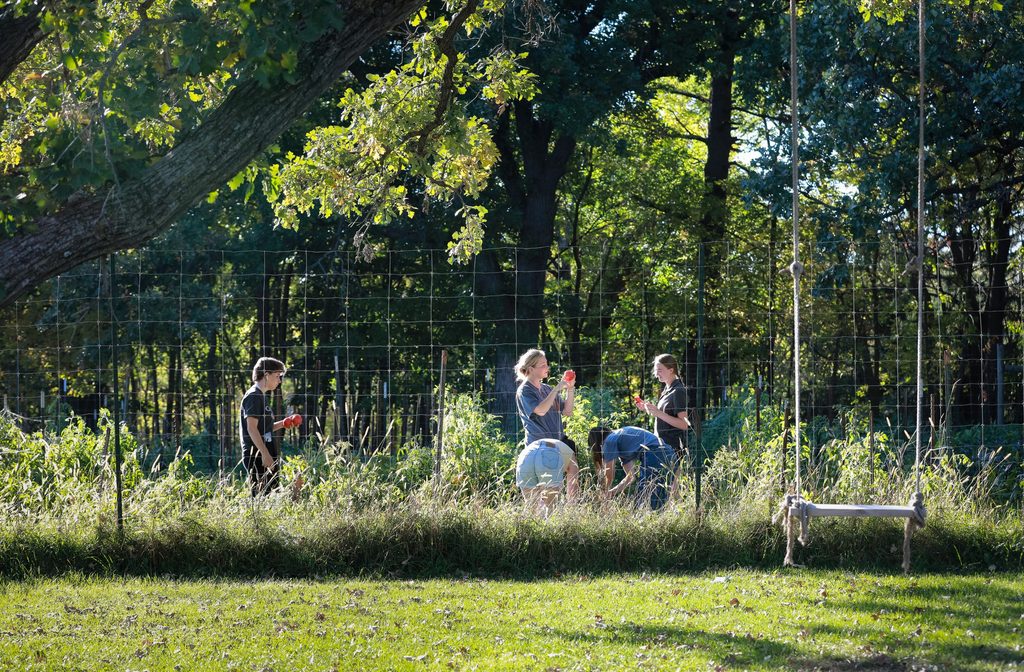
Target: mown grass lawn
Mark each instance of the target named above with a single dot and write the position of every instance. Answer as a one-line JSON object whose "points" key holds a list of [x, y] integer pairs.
{"points": [[786, 620]]}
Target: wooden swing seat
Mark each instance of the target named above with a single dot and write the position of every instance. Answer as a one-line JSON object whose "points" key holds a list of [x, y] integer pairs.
{"points": [[852, 511]]}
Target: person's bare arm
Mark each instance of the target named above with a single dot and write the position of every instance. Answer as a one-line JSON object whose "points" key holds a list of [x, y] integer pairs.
{"points": [[570, 397], [625, 482], [680, 421], [545, 405]]}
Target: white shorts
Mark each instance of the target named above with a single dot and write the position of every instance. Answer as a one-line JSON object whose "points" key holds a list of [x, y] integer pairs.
{"points": [[543, 463]]}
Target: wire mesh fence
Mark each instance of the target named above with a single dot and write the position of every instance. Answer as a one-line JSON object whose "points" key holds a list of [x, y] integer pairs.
{"points": [[362, 339]]}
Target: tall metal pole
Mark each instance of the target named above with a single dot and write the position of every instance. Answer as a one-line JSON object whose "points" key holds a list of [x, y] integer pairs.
{"points": [[698, 462], [117, 405], [440, 421]]}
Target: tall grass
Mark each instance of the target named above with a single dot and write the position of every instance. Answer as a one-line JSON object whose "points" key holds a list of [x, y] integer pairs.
{"points": [[387, 515]]}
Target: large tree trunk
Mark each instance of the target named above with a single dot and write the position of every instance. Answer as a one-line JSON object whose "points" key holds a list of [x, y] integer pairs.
{"points": [[250, 119], [154, 390], [18, 36], [714, 209], [212, 391], [963, 248], [515, 303], [993, 317]]}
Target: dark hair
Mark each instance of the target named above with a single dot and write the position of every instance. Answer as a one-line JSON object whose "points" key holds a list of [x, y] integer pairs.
{"points": [[265, 365], [595, 439]]}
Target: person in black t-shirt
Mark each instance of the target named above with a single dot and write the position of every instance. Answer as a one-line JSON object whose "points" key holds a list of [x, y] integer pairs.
{"points": [[671, 418], [256, 425]]}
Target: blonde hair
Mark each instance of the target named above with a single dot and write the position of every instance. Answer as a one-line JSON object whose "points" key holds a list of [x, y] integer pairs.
{"points": [[669, 362], [528, 360]]}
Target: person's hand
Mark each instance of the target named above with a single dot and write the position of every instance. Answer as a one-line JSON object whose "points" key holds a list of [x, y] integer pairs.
{"points": [[641, 404], [269, 466], [569, 378], [293, 420]]}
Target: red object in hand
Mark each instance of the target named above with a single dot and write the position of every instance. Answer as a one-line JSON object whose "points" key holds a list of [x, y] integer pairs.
{"points": [[569, 375], [292, 421], [638, 400]]}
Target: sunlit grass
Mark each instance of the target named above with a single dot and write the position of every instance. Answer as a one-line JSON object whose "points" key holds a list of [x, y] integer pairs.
{"points": [[737, 620]]}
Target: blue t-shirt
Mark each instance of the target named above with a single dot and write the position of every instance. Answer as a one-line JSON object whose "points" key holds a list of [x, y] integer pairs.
{"points": [[656, 461], [631, 443], [547, 426]]}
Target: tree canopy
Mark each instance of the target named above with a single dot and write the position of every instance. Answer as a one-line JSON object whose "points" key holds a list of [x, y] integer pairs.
{"points": [[607, 179], [119, 117]]}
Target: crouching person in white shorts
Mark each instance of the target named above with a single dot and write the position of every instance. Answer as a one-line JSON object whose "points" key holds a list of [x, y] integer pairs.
{"points": [[541, 469]]}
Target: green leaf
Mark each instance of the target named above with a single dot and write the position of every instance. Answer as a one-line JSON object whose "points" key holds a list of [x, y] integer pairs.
{"points": [[289, 60], [236, 181]]}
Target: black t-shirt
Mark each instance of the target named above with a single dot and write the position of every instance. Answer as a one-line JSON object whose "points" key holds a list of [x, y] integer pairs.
{"points": [[672, 402], [257, 405]]}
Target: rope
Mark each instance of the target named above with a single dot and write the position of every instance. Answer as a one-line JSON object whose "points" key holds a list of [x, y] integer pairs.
{"points": [[782, 516], [796, 268], [917, 501], [919, 260]]}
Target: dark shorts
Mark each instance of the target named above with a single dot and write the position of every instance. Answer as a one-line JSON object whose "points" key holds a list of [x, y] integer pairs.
{"points": [[261, 479]]}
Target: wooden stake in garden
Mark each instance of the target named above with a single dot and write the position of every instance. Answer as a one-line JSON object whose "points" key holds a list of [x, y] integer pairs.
{"points": [[440, 420]]}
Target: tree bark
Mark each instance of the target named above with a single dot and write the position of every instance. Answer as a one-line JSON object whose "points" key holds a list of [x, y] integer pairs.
{"points": [[18, 36], [213, 385], [516, 302], [250, 119], [715, 210]]}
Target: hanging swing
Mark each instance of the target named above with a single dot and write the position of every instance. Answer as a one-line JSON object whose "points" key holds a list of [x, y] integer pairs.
{"points": [[795, 510]]}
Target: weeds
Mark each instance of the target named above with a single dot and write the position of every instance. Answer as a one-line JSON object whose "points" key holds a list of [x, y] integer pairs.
{"points": [[388, 515]]}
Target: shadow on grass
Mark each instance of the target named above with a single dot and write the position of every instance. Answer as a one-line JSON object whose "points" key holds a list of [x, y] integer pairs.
{"points": [[657, 641], [733, 650]]}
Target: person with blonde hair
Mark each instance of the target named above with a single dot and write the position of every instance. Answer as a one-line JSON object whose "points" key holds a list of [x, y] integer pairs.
{"points": [[541, 406]]}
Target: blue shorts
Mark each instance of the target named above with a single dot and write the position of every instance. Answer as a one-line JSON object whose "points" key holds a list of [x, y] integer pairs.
{"points": [[543, 464]]}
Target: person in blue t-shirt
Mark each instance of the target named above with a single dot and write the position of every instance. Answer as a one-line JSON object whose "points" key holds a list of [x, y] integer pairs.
{"points": [[541, 406], [645, 459]]}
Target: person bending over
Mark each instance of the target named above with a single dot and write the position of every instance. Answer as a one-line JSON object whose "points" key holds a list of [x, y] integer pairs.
{"points": [[541, 469], [645, 459]]}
